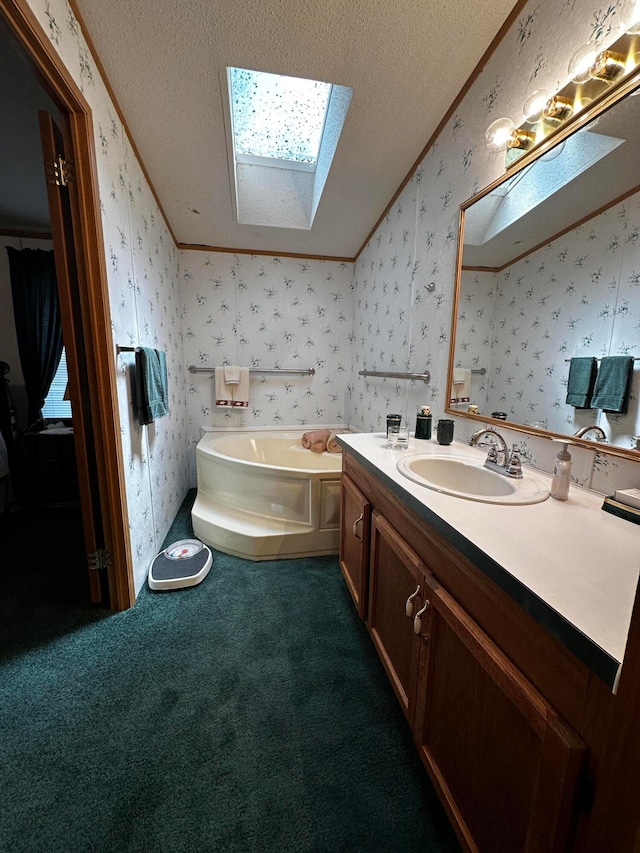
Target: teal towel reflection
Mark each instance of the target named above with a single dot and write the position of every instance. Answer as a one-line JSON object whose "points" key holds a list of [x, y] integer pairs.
{"points": [[582, 379], [613, 383]]}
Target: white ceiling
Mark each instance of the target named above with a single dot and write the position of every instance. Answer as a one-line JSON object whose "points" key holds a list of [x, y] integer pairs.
{"points": [[406, 62]]}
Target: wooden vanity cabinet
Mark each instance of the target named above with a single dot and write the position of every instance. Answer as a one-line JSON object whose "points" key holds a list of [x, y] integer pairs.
{"points": [[396, 597], [355, 515], [507, 766]]}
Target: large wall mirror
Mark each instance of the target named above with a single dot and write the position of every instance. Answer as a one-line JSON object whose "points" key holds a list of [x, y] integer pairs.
{"points": [[549, 271]]}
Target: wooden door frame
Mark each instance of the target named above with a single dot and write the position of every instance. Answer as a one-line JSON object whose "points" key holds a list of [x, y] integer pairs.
{"points": [[92, 273]]}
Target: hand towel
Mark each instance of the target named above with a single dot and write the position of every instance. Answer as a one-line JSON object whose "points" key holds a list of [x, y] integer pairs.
{"points": [[150, 396], [316, 440], [332, 444], [582, 378], [241, 390], [232, 395], [231, 374], [224, 395], [460, 385], [611, 392]]}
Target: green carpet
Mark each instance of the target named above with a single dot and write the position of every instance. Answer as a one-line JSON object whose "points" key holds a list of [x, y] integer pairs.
{"points": [[43, 578], [250, 713]]}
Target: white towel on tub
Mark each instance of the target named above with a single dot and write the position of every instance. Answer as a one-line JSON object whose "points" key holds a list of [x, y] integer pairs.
{"points": [[235, 393], [241, 390]]}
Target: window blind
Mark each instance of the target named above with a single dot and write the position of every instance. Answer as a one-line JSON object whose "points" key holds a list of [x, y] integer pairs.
{"points": [[55, 406]]}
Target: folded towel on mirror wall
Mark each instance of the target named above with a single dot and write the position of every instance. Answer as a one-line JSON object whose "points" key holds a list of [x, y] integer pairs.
{"points": [[581, 382], [611, 392], [460, 385], [316, 440], [332, 444], [150, 393], [232, 394]]}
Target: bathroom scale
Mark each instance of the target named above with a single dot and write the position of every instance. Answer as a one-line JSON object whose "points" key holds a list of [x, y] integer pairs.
{"points": [[184, 563]]}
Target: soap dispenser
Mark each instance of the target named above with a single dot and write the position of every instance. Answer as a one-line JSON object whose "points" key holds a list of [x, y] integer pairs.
{"points": [[561, 472]]}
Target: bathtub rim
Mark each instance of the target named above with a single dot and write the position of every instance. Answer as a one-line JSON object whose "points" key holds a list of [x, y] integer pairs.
{"points": [[282, 428], [249, 432]]}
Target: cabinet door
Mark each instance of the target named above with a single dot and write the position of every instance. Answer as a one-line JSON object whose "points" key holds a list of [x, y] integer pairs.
{"points": [[505, 764], [395, 599], [354, 543]]}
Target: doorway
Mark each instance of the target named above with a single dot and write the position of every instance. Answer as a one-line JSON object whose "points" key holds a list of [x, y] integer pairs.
{"points": [[77, 238]]}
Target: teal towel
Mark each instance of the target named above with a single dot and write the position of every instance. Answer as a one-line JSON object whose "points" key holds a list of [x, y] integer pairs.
{"points": [[582, 378], [151, 387], [613, 383]]}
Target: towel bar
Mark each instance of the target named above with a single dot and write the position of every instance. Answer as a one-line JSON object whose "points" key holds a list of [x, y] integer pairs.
{"points": [[636, 358], [298, 372], [425, 377]]}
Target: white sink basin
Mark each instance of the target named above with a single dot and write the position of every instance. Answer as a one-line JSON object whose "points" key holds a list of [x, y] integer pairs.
{"points": [[466, 477]]}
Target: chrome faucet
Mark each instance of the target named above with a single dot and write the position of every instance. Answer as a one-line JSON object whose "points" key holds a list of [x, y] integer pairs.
{"points": [[498, 458], [600, 433]]}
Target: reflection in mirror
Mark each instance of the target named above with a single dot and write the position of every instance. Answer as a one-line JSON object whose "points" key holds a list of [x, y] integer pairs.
{"points": [[550, 273]]}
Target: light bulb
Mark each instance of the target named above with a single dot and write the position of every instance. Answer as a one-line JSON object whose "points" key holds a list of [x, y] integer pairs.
{"points": [[581, 62], [535, 104], [498, 134]]}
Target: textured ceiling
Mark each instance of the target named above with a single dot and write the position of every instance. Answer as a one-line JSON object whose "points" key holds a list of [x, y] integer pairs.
{"points": [[406, 62]]}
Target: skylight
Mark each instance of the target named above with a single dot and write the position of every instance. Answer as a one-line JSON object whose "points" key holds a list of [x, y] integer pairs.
{"points": [[277, 118], [283, 133]]}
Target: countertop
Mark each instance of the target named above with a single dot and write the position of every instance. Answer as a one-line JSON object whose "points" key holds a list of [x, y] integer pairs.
{"points": [[572, 566]]}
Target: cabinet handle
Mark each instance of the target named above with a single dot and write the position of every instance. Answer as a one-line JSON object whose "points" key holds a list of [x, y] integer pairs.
{"points": [[355, 525], [409, 605], [417, 620]]}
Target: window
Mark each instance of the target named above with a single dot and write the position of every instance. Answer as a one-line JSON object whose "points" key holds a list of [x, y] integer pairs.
{"points": [[55, 406]]}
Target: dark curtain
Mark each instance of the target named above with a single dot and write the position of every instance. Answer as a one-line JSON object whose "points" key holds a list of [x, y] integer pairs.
{"points": [[36, 309]]}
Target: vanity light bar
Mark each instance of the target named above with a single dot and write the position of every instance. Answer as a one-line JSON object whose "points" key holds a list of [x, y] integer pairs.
{"points": [[593, 73]]}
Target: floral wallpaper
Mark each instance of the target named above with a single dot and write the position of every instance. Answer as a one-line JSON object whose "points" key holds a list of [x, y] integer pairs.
{"points": [[144, 294], [389, 311], [576, 296], [399, 323], [267, 312]]}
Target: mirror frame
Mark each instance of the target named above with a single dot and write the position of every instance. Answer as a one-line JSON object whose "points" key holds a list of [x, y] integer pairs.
{"points": [[614, 93]]}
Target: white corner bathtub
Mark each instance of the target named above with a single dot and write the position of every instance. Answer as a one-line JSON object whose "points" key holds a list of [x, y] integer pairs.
{"points": [[262, 496]]}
